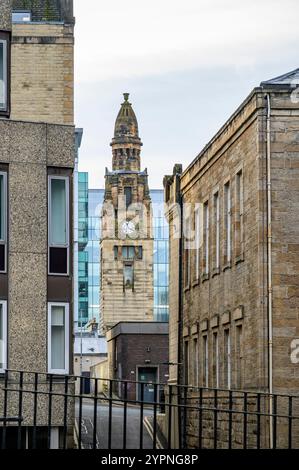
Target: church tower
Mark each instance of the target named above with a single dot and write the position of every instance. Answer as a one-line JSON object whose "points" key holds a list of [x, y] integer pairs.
{"points": [[126, 229]]}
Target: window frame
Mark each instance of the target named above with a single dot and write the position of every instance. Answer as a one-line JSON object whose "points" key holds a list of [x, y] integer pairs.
{"points": [[50, 244], [215, 359], [205, 349], [5, 39], [227, 359], [216, 216], [227, 223], [66, 306], [5, 335], [206, 240], [4, 240]]}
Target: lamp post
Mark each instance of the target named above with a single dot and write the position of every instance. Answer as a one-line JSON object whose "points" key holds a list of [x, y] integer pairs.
{"points": [[81, 344]]}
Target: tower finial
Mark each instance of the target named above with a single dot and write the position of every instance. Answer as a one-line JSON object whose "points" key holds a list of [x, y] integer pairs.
{"points": [[126, 96]]}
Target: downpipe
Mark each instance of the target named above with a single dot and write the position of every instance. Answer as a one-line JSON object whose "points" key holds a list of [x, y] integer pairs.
{"points": [[269, 273]]}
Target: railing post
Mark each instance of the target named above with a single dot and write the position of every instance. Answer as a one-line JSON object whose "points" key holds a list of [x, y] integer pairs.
{"points": [[21, 379], [125, 415], [141, 416]]}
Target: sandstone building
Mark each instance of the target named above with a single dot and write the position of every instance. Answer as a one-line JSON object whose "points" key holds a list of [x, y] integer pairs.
{"points": [[37, 142], [126, 244], [234, 296]]}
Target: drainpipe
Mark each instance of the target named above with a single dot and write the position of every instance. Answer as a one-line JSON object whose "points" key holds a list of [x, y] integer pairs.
{"points": [[269, 250]]}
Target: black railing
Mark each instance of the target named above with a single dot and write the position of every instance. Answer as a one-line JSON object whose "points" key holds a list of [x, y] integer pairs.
{"points": [[40, 410]]}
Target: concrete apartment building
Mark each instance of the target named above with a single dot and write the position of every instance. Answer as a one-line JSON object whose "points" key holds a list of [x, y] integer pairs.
{"points": [[234, 298], [37, 142]]}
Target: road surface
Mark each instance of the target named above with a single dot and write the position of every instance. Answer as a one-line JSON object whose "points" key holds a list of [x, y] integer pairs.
{"points": [[102, 427]]}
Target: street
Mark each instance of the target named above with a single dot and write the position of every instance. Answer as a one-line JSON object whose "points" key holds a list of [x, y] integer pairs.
{"points": [[133, 426]]}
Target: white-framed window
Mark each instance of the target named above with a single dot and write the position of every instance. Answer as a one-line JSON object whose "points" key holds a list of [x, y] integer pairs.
{"points": [[58, 225], [3, 221], [217, 229], [206, 238], [215, 360], [205, 347], [21, 16], [3, 74], [227, 359], [3, 335], [58, 338], [227, 222]]}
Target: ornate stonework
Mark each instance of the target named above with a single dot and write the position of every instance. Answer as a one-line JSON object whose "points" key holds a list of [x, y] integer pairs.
{"points": [[126, 243]]}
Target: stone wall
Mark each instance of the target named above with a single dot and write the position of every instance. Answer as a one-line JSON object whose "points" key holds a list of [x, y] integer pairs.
{"points": [[5, 15], [42, 73], [235, 295]]}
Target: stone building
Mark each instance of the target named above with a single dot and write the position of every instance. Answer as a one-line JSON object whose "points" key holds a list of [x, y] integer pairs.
{"points": [[126, 244], [36, 212], [42, 61], [234, 294]]}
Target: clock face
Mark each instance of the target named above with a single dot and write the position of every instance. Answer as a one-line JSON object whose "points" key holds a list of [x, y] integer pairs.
{"points": [[128, 228]]}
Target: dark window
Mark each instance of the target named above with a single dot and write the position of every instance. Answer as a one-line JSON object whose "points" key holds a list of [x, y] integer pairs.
{"points": [[128, 195], [58, 260], [128, 276], [128, 252], [115, 250], [139, 255]]}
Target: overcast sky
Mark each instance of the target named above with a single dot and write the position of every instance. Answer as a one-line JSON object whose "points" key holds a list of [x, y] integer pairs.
{"points": [[186, 64]]}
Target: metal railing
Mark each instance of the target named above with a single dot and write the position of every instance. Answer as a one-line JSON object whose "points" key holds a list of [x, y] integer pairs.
{"points": [[129, 414]]}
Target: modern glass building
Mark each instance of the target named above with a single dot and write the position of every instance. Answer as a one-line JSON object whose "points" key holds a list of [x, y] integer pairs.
{"points": [[90, 203], [83, 260]]}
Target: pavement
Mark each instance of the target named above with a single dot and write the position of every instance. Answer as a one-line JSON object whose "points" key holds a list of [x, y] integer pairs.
{"points": [[102, 426]]}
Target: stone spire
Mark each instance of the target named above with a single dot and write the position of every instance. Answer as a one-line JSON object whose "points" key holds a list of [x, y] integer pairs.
{"points": [[126, 143]]}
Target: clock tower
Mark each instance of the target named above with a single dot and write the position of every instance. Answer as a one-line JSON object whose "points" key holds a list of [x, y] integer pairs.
{"points": [[126, 229]]}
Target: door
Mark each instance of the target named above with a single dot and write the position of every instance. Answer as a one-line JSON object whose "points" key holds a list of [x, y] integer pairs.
{"points": [[86, 382], [149, 376]]}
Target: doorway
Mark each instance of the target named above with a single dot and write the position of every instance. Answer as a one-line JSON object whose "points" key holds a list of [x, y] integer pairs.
{"points": [[149, 375]]}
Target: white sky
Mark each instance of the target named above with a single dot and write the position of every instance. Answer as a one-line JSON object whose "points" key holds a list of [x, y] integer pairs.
{"points": [[187, 65]]}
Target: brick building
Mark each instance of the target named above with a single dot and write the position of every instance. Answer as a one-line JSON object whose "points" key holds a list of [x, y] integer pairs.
{"points": [[36, 212], [138, 351], [234, 296]]}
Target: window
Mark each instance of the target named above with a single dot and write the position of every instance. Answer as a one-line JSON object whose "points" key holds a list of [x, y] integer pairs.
{"points": [[239, 215], [216, 230], [58, 225], [215, 360], [139, 252], [128, 276], [195, 362], [227, 224], [205, 355], [4, 57], [198, 241], [206, 239], [3, 221], [115, 251], [58, 338], [186, 362], [128, 195], [239, 356], [128, 252], [227, 359], [21, 16], [3, 336], [187, 252]]}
